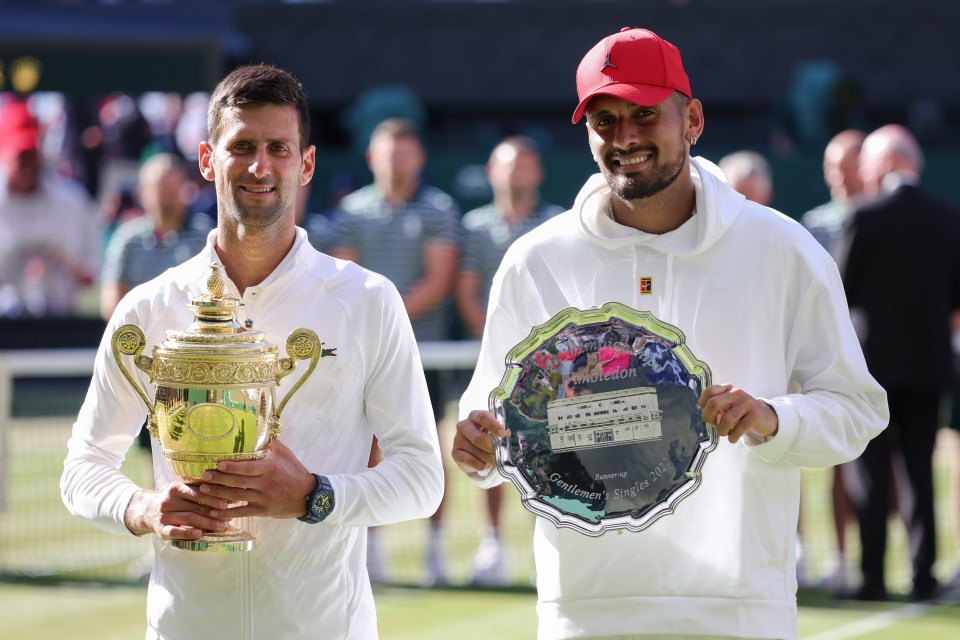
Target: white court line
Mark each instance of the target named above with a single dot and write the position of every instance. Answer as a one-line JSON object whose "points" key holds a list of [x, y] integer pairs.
{"points": [[861, 628]]}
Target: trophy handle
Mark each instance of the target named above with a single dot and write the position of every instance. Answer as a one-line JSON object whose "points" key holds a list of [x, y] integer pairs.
{"points": [[302, 344], [129, 340]]}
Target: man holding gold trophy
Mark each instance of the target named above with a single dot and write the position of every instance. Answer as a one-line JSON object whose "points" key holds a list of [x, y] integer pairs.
{"points": [[663, 318], [258, 519]]}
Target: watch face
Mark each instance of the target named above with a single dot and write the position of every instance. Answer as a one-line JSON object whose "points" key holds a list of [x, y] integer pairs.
{"points": [[322, 504]]}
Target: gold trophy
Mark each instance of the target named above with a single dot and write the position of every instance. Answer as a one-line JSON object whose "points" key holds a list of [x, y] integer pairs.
{"points": [[214, 397]]}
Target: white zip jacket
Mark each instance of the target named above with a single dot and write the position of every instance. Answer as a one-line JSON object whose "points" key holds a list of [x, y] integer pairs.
{"points": [[301, 580], [761, 303]]}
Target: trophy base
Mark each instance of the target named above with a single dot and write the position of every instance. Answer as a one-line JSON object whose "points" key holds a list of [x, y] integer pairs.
{"points": [[220, 542]]}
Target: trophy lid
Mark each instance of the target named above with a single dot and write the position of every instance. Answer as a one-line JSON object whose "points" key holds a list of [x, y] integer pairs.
{"points": [[215, 314]]}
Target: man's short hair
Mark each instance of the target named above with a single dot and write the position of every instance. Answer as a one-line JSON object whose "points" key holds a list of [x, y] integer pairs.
{"points": [[157, 165], [396, 128], [523, 144], [258, 84]]}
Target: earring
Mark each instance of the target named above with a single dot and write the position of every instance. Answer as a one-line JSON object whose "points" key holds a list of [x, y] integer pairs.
{"points": [[693, 141]]}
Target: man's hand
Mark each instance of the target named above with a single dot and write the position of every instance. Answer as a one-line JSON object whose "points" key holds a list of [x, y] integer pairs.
{"points": [[275, 487], [178, 512], [735, 412], [472, 445]]}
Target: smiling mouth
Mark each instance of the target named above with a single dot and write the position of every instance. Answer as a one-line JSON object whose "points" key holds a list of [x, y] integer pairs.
{"points": [[632, 160], [257, 190]]}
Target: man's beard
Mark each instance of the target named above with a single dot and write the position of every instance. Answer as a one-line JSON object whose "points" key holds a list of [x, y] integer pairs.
{"points": [[636, 186], [256, 216]]}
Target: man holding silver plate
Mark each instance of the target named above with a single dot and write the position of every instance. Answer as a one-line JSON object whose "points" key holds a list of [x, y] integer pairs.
{"points": [[674, 355], [259, 528]]}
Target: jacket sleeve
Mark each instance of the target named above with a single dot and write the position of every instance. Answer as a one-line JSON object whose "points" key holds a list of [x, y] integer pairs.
{"points": [[408, 482], [92, 485], [503, 330]]}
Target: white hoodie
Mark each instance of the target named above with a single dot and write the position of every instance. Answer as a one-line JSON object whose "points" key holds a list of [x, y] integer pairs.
{"points": [[761, 303]]}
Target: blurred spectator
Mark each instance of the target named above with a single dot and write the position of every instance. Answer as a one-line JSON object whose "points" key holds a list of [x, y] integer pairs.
{"points": [[162, 111], [163, 237], [841, 173], [125, 135], [410, 233], [49, 235], [515, 174], [121, 207], [80, 145], [191, 127], [191, 130], [126, 132], [899, 257], [749, 173]]}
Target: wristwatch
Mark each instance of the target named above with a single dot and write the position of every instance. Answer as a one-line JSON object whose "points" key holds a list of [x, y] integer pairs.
{"points": [[320, 502]]}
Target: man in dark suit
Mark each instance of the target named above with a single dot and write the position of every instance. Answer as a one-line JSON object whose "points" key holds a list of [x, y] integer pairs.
{"points": [[899, 257]]}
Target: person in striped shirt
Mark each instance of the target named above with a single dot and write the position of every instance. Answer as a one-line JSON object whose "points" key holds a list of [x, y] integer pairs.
{"points": [[409, 232]]}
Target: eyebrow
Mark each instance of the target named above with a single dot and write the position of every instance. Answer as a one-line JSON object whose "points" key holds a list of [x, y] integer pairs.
{"points": [[244, 137], [634, 107]]}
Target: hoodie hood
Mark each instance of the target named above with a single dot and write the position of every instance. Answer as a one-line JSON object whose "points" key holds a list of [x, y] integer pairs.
{"points": [[718, 207]]}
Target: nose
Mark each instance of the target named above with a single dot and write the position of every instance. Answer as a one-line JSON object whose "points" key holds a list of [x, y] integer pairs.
{"points": [[260, 167], [627, 134]]}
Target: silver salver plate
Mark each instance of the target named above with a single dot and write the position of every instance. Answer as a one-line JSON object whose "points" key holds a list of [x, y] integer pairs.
{"points": [[605, 428]]}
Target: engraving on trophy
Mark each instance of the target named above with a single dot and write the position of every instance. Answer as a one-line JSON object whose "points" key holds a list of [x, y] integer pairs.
{"points": [[604, 419], [214, 398]]}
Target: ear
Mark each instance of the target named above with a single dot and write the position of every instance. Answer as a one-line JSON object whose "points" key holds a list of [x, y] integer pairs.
{"points": [[309, 164], [206, 161], [694, 117]]}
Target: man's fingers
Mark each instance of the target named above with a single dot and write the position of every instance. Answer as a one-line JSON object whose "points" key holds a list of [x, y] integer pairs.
{"points": [[478, 438], [229, 479], [239, 467], [734, 412], [185, 505], [470, 457], [711, 392], [731, 417], [472, 444], [186, 497], [178, 522], [223, 494], [173, 532], [714, 402], [486, 421]]}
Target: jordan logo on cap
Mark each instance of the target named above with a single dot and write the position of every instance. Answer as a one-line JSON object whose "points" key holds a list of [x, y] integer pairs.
{"points": [[607, 63]]}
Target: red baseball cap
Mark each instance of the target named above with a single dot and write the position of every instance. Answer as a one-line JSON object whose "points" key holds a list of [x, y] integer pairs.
{"points": [[636, 65], [19, 130], [20, 141]]}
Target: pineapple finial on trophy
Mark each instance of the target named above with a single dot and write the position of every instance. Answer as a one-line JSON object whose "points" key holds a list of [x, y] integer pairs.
{"points": [[215, 281], [216, 309]]}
